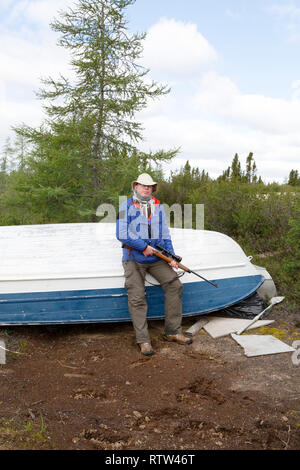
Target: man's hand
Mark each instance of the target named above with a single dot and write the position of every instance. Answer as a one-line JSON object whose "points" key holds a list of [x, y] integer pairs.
{"points": [[173, 264], [149, 251]]}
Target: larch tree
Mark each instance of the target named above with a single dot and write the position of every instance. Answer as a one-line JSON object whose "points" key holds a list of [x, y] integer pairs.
{"points": [[90, 120]]}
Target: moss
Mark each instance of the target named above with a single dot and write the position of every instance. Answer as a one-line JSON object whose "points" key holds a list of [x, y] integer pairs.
{"points": [[280, 333], [294, 334]]}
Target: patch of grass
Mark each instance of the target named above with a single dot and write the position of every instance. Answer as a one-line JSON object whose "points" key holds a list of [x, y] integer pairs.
{"points": [[23, 436], [23, 347]]}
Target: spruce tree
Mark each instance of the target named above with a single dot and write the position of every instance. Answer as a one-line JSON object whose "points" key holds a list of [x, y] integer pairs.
{"points": [[251, 169], [294, 178], [236, 173]]}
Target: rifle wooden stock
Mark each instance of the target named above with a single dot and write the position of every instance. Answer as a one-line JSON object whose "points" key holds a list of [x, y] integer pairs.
{"points": [[168, 260]]}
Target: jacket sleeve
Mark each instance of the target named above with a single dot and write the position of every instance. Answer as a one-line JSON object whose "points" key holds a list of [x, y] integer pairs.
{"points": [[123, 230], [166, 232]]}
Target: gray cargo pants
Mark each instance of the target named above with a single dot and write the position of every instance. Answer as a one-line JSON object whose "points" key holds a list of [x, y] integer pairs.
{"points": [[135, 284]]}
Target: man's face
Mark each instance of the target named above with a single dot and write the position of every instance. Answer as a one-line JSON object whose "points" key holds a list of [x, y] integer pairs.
{"points": [[143, 190]]}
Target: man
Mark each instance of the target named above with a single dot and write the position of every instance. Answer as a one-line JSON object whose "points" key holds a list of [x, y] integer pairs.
{"points": [[141, 225]]}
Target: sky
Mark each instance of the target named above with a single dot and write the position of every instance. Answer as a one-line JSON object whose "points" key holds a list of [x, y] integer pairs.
{"points": [[232, 65]]}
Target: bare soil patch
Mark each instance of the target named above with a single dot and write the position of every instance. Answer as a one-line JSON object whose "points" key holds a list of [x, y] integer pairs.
{"points": [[88, 387]]}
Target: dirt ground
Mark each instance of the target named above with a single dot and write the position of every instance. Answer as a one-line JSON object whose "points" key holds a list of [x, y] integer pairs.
{"points": [[87, 387]]}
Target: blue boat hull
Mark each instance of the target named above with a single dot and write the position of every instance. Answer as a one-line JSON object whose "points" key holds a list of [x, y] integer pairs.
{"points": [[111, 305]]}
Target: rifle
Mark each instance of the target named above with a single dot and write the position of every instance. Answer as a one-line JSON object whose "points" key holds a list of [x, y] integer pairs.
{"points": [[168, 256]]}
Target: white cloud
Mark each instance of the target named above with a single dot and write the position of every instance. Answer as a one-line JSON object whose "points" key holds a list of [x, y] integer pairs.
{"points": [[296, 90], [26, 62], [212, 144], [220, 97], [6, 3], [177, 48], [38, 12], [285, 10], [41, 11], [290, 15], [223, 121], [27, 54], [234, 15]]}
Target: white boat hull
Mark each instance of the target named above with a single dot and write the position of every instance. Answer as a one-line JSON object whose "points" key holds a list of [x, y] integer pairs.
{"points": [[72, 273]]}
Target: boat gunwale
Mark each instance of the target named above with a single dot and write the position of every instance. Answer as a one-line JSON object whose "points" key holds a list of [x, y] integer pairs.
{"points": [[108, 276]]}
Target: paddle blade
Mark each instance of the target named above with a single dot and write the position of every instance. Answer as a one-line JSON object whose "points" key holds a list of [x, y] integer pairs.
{"points": [[276, 300]]}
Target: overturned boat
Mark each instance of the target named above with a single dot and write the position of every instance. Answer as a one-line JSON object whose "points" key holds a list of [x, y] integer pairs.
{"points": [[72, 273]]}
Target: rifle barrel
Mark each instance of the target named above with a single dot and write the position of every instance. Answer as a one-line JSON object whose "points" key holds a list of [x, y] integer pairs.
{"points": [[204, 279]]}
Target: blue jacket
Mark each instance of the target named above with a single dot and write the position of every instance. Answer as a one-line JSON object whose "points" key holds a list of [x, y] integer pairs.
{"points": [[133, 230]]}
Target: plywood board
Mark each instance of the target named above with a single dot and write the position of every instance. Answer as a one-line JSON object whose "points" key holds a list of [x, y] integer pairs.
{"points": [[222, 326], [260, 345], [2, 352], [197, 326]]}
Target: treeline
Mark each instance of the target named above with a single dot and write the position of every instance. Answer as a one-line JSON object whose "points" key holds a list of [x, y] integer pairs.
{"points": [[263, 218], [236, 203], [58, 189]]}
